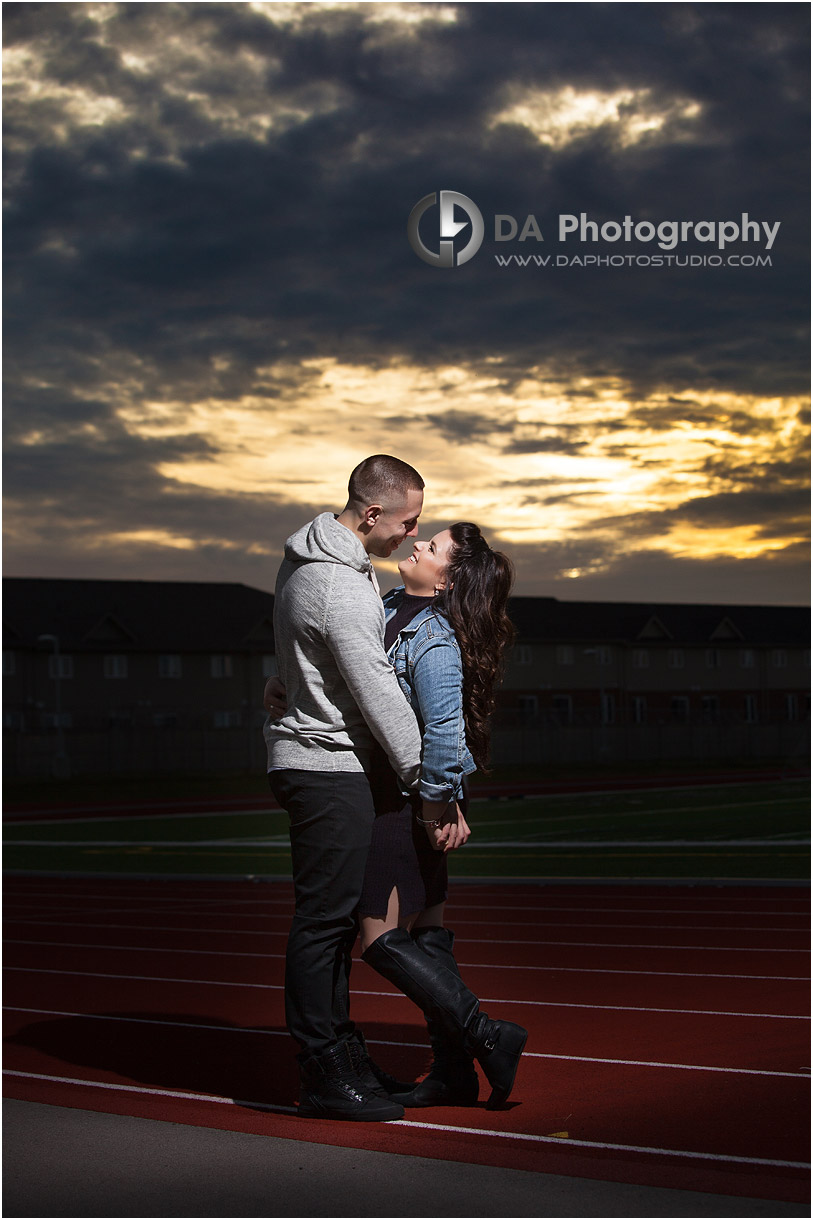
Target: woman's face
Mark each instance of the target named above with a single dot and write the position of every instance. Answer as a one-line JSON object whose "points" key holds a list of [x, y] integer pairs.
{"points": [[424, 572]]}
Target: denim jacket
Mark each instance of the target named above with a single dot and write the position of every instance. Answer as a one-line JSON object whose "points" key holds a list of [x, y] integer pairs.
{"points": [[426, 659]]}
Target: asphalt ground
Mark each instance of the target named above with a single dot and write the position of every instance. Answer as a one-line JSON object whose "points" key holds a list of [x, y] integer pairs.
{"points": [[66, 1162]]}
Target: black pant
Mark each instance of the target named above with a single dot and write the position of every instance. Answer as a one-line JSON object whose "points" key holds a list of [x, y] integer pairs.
{"points": [[331, 818]]}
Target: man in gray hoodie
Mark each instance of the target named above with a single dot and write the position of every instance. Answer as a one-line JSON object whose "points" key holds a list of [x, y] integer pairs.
{"points": [[342, 695]]}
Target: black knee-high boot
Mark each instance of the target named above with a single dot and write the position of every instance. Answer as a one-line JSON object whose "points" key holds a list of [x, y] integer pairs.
{"points": [[444, 998], [452, 1079]]}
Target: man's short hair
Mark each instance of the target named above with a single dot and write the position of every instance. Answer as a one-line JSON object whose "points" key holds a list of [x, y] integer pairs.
{"points": [[382, 479]]}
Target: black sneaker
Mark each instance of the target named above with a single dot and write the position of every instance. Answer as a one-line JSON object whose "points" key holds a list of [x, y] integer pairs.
{"points": [[332, 1088], [374, 1077]]}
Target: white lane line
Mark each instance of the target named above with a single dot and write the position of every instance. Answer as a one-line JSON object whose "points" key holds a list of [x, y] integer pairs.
{"points": [[282, 840], [567, 944], [570, 821], [396, 995], [423, 1046], [402, 1122], [150, 927], [663, 927], [685, 1067], [659, 811], [82, 844], [144, 949], [607, 944], [468, 965], [458, 921], [21, 820], [249, 908], [462, 902], [590, 844], [679, 974], [169, 808], [465, 897], [469, 940], [572, 1143], [492, 923]]}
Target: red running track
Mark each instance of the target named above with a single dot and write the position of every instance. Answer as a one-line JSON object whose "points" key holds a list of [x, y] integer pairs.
{"points": [[668, 1026]]}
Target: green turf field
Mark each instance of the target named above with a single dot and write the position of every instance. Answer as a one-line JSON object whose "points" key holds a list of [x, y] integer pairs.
{"points": [[745, 830]]}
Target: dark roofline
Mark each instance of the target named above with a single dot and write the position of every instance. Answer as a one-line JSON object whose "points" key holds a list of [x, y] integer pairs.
{"points": [[104, 580], [220, 615], [652, 607]]}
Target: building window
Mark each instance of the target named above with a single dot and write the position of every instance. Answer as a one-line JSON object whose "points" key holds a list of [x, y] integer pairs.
{"points": [[779, 658], [120, 718], [564, 654], [640, 658], [115, 667], [269, 665], [227, 720], [607, 704], [60, 666], [51, 720], [221, 666], [751, 709], [563, 709], [679, 707], [524, 654], [791, 707], [604, 655], [169, 666], [13, 721], [164, 719], [9, 664], [747, 658], [677, 658], [528, 708], [712, 658], [709, 709], [638, 709]]}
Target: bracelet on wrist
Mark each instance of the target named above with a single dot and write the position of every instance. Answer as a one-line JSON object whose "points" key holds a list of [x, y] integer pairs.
{"points": [[434, 822]]}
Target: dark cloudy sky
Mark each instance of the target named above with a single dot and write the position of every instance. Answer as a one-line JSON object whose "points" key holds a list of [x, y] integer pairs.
{"points": [[212, 310]]}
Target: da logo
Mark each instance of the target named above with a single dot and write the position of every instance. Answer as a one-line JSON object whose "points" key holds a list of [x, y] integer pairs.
{"points": [[449, 228]]}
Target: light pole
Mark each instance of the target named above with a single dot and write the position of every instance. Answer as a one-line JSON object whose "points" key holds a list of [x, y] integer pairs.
{"points": [[61, 764]]}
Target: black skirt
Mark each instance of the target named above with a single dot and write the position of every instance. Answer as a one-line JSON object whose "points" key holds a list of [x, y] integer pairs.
{"points": [[401, 856]]}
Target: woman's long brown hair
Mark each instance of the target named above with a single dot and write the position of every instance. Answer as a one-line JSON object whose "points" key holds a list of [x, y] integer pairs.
{"points": [[478, 583]]}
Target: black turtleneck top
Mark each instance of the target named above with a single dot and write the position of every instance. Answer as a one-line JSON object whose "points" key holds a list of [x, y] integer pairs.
{"points": [[409, 607]]}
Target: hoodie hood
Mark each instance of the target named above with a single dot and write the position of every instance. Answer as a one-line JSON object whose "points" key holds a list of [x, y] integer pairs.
{"points": [[324, 540]]}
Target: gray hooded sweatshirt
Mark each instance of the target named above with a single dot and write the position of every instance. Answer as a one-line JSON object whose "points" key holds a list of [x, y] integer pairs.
{"points": [[341, 689]]}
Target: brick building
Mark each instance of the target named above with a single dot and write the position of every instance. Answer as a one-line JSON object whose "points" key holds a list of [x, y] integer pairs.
{"points": [[134, 675], [142, 676], [609, 681]]}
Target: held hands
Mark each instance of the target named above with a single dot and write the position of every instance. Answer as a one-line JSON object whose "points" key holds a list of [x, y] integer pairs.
{"points": [[274, 700], [453, 830]]}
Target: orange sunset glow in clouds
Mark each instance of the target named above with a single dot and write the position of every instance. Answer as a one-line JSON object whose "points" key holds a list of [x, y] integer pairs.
{"points": [[215, 313]]}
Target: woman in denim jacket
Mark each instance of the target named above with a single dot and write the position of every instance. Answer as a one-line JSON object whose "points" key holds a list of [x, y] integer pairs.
{"points": [[447, 630]]}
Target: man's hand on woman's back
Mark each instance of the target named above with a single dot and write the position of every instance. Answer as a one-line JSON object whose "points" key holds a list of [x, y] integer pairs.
{"points": [[274, 700]]}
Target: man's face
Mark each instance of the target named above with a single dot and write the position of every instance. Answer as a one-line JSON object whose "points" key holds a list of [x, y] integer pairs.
{"points": [[394, 524]]}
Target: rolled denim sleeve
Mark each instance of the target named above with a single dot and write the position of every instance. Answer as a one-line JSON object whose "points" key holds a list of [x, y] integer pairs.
{"points": [[437, 682]]}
